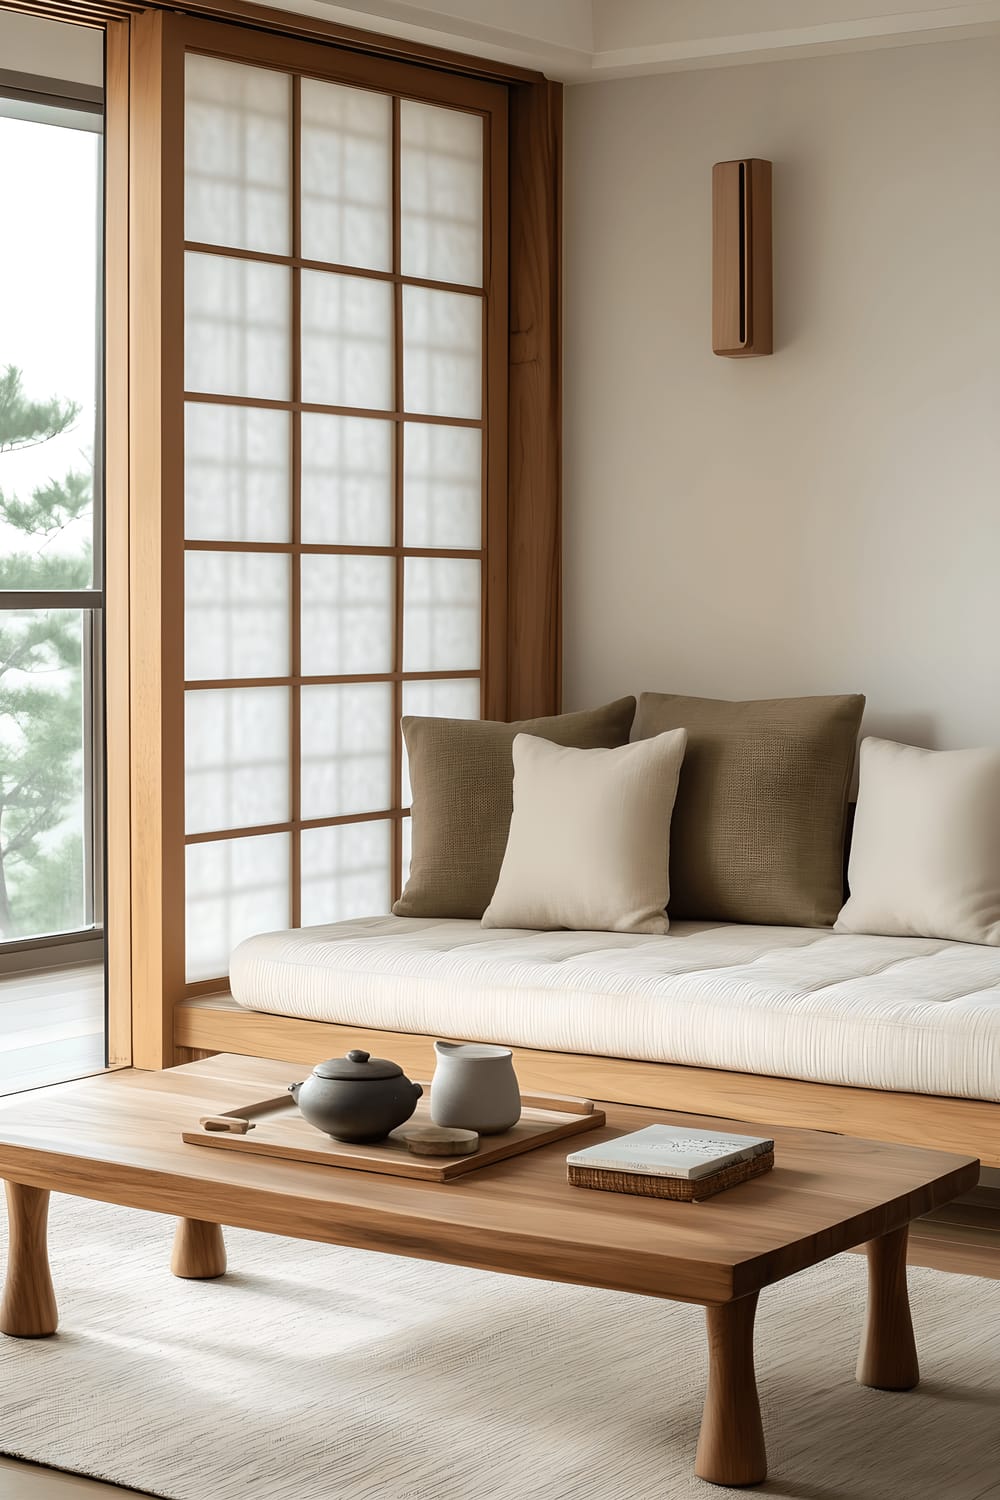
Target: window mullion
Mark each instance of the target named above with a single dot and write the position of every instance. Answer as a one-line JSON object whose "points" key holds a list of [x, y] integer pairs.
{"points": [[86, 599], [396, 873], [295, 598]]}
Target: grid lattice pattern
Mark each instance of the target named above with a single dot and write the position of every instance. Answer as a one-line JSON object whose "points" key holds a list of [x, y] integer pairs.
{"points": [[335, 373]]}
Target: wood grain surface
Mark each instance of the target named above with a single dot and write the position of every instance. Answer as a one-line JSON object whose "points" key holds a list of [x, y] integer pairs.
{"points": [[968, 1126], [117, 1138], [281, 1131], [888, 1357], [534, 604], [729, 311], [731, 1442], [741, 258], [29, 1307], [199, 1252]]}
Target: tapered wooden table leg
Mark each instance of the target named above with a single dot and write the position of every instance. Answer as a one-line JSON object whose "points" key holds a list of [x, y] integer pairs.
{"points": [[28, 1310], [888, 1357], [199, 1250], [731, 1444]]}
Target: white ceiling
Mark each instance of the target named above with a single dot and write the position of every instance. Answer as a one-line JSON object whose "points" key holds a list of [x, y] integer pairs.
{"points": [[580, 41]]}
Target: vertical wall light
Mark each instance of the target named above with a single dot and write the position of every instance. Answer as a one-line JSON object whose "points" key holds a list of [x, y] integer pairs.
{"points": [[741, 258]]}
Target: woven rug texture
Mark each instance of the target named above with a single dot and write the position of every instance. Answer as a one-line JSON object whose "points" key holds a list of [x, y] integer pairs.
{"points": [[313, 1373]]}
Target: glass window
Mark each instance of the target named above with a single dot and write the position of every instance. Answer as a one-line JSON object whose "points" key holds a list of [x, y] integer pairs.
{"points": [[50, 523]]}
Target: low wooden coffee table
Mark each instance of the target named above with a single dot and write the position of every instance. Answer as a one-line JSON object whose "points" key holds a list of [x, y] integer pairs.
{"points": [[117, 1138]]}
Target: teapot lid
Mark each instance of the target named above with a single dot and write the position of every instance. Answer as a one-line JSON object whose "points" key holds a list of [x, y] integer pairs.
{"points": [[358, 1065]]}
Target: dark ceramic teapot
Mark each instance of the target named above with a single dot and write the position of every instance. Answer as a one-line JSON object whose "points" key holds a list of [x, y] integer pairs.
{"points": [[356, 1098]]}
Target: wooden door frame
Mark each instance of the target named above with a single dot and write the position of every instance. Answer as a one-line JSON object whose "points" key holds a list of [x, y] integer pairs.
{"points": [[145, 670], [118, 913], [117, 669]]}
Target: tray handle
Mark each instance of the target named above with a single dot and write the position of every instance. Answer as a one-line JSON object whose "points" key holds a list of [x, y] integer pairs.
{"points": [[229, 1124], [566, 1104]]}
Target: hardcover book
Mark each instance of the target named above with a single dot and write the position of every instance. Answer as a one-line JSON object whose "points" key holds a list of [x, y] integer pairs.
{"points": [[671, 1151]]}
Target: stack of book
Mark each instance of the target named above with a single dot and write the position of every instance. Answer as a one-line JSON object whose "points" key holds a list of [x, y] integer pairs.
{"points": [[667, 1161]]}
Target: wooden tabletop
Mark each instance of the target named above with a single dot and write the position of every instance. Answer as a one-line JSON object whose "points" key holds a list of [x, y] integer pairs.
{"points": [[117, 1137]]}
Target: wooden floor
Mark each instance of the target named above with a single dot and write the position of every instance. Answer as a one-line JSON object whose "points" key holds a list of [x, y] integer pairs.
{"points": [[964, 1237], [51, 1027], [32, 1482]]}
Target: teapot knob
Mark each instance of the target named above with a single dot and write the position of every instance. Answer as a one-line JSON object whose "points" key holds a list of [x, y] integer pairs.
{"points": [[357, 1056]]}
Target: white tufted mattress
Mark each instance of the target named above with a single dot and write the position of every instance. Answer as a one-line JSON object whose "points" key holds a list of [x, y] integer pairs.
{"points": [[881, 1012]]}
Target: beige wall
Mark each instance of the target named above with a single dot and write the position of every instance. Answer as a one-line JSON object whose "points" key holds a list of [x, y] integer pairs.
{"points": [[827, 519], [50, 49]]}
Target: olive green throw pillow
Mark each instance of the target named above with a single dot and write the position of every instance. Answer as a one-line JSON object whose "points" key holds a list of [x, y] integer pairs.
{"points": [[462, 774], [758, 826]]}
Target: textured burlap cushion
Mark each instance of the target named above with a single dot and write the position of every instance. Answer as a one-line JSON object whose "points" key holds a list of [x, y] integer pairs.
{"points": [[758, 826], [461, 773], [589, 838], [925, 857]]}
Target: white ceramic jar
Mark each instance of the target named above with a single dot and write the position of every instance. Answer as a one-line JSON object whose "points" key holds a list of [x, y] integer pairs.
{"points": [[475, 1087]]}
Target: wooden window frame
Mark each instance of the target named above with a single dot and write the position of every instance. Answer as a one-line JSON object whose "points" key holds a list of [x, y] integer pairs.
{"points": [[144, 669]]}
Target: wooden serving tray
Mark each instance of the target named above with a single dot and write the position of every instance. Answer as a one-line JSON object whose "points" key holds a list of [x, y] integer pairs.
{"points": [[275, 1127]]}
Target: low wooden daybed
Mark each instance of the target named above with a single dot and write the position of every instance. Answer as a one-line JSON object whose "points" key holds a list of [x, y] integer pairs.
{"points": [[942, 1003]]}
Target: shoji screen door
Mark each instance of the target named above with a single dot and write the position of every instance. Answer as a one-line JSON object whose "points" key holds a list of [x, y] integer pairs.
{"points": [[343, 474]]}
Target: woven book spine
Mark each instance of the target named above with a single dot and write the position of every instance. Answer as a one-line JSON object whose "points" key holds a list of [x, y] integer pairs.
{"points": [[679, 1189]]}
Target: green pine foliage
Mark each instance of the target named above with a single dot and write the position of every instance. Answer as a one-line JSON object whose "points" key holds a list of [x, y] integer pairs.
{"points": [[41, 881], [24, 423]]}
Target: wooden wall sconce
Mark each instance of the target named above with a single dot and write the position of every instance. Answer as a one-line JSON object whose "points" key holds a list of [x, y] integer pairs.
{"points": [[741, 258]]}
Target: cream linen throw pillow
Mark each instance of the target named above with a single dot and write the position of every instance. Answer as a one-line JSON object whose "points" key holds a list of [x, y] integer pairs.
{"points": [[461, 772], [925, 855], [589, 838]]}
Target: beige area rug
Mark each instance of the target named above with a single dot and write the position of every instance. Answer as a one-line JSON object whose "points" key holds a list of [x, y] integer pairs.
{"points": [[312, 1373]]}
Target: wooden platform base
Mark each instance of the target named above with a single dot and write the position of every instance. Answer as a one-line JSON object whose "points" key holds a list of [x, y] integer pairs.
{"points": [[966, 1126]]}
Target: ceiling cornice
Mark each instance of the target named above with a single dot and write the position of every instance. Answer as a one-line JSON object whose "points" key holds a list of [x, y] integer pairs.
{"points": [[581, 41]]}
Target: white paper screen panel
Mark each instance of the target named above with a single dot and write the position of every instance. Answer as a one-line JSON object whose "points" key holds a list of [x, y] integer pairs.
{"points": [[237, 473], [347, 615], [235, 888], [347, 340], [346, 749], [441, 183], [236, 752], [442, 486], [237, 327], [237, 154], [236, 615], [347, 480], [442, 614], [346, 871], [346, 175], [442, 352]]}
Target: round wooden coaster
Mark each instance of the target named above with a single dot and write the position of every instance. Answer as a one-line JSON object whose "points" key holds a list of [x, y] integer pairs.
{"points": [[440, 1140]]}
